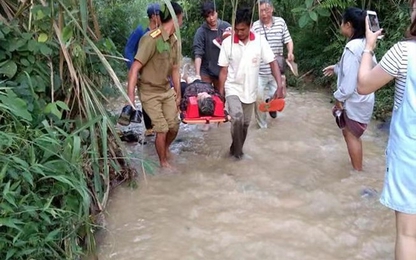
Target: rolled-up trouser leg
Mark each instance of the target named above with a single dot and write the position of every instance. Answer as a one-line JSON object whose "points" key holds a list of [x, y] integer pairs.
{"points": [[240, 120]]}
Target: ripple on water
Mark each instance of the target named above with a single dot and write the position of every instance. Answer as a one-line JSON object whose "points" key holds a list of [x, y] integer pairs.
{"points": [[296, 198]]}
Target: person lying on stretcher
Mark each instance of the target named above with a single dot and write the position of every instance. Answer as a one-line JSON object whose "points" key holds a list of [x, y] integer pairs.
{"points": [[203, 91]]}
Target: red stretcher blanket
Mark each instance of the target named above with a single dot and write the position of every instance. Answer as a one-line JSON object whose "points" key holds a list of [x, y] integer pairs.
{"points": [[191, 115]]}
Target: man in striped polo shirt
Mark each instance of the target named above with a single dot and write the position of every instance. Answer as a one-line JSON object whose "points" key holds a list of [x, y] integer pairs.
{"points": [[275, 31]]}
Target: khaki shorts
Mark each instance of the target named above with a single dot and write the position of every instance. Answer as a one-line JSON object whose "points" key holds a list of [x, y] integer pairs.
{"points": [[162, 110]]}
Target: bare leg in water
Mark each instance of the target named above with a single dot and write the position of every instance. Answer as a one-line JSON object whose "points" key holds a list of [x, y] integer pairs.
{"points": [[405, 236], [162, 147], [170, 137], [355, 149]]}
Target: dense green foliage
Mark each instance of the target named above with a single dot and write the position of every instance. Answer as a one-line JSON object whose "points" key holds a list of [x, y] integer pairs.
{"points": [[58, 150]]}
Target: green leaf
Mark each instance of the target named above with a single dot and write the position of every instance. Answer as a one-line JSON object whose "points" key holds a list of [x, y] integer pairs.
{"points": [[27, 36], [323, 12], [39, 15], [24, 62], [31, 58], [28, 177], [5, 208], [45, 50], [298, 9], [15, 105], [11, 223], [3, 171], [67, 33], [161, 45], [8, 68], [52, 235], [10, 199], [20, 162], [10, 253], [76, 149], [43, 37], [62, 105], [313, 16], [309, 3], [51, 108], [6, 188], [5, 29], [304, 20], [38, 83]]}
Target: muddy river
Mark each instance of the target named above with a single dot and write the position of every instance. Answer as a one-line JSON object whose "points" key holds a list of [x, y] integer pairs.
{"points": [[294, 196]]}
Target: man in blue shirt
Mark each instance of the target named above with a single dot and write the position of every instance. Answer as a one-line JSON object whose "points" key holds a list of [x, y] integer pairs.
{"points": [[153, 11]]}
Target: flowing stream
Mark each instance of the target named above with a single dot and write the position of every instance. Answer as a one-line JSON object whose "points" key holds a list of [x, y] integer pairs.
{"points": [[293, 197]]}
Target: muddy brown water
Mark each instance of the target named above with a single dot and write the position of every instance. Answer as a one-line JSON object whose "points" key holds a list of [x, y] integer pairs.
{"points": [[293, 197]]}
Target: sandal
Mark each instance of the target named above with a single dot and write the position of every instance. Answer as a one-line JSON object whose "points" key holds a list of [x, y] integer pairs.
{"points": [[273, 105]]}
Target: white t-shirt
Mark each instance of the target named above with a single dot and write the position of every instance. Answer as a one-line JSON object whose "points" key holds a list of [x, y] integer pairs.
{"points": [[394, 62], [243, 62]]}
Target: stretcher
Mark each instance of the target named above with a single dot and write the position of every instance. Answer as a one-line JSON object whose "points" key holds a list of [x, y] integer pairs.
{"points": [[192, 116]]}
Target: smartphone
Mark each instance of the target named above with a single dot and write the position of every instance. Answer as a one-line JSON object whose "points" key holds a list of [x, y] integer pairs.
{"points": [[374, 23]]}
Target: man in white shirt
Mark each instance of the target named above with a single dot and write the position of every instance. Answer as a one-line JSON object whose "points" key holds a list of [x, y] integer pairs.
{"points": [[275, 30], [239, 60]]}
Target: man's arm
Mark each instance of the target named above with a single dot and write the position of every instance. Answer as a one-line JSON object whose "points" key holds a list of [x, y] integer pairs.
{"points": [[198, 50], [221, 80], [290, 55], [287, 39], [132, 79], [176, 83], [198, 62], [281, 90]]}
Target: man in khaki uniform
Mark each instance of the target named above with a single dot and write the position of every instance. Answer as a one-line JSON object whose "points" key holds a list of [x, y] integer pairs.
{"points": [[157, 60]]}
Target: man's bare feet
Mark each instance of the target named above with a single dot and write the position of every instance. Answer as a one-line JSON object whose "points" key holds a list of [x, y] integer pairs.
{"points": [[165, 165], [167, 168]]}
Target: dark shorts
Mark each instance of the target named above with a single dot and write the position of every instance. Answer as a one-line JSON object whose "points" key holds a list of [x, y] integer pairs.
{"points": [[356, 128]]}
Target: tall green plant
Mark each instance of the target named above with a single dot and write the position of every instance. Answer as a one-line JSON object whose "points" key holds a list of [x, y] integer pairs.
{"points": [[45, 201], [60, 150]]}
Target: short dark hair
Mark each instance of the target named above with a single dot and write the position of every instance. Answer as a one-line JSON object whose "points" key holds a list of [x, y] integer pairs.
{"points": [[207, 8], [153, 9], [356, 17], [206, 106], [243, 15], [165, 15]]}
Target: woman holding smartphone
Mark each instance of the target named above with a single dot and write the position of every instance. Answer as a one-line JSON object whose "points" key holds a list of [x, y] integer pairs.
{"points": [[353, 110], [399, 192]]}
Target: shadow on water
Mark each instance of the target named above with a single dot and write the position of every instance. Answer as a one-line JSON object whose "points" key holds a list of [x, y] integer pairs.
{"points": [[293, 197]]}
